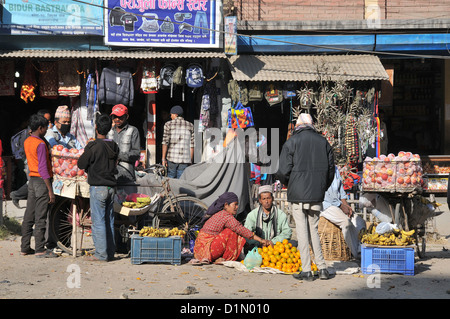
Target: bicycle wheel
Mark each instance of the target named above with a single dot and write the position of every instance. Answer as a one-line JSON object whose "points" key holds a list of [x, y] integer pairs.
{"points": [[193, 211], [61, 227]]}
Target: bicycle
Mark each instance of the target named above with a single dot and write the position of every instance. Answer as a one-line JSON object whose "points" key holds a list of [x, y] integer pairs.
{"points": [[167, 210]]}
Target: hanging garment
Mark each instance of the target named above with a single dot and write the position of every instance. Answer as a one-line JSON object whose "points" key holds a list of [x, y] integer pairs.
{"points": [[48, 79], [116, 86], [7, 78], [29, 83], [204, 113], [68, 77], [91, 96]]}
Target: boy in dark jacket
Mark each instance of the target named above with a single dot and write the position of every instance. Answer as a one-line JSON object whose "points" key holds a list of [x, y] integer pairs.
{"points": [[100, 162], [307, 169]]}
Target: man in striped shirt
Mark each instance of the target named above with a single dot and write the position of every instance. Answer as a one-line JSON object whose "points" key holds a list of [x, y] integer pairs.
{"points": [[40, 191], [177, 143]]}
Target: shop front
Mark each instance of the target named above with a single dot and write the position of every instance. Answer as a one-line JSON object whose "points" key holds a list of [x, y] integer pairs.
{"points": [[42, 79]]}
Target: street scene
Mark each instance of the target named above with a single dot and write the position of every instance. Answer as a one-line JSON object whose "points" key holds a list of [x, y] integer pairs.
{"points": [[224, 157]]}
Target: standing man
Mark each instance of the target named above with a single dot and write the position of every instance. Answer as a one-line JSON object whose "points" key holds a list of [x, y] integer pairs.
{"points": [[307, 169], [177, 143], [340, 213], [40, 191], [59, 133], [127, 137], [99, 160]]}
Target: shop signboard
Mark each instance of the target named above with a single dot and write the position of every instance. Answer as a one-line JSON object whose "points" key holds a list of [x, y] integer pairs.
{"points": [[230, 37], [52, 17], [163, 23]]}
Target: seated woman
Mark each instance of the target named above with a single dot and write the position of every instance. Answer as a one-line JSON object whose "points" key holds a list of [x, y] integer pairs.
{"points": [[222, 236]]}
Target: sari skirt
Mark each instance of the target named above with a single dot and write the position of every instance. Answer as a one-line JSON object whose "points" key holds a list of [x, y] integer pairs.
{"points": [[227, 245]]}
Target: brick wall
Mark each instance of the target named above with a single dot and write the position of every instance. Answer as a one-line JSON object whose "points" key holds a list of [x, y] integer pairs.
{"points": [[289, 10]]}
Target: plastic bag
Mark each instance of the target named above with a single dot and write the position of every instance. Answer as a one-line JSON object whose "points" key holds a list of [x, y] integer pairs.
{"points": [[384, 227], [253, 259]]}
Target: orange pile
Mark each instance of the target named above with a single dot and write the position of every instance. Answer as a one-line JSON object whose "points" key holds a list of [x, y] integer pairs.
{"points": [[282, 256]]}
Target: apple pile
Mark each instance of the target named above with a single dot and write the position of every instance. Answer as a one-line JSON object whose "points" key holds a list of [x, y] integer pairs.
{"points": [[64, 163], [393, 173]]}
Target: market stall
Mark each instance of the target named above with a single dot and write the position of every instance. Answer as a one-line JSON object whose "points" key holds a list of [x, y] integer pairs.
{"points": [[398, 181]]}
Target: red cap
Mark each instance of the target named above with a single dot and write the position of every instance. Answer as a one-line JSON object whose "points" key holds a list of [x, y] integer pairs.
{"points": [[119, 110]]}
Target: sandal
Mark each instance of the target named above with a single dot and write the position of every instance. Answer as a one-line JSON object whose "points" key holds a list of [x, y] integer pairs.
{"points": [[219, 261], [46, 254], [29, 251], [194, 262]]}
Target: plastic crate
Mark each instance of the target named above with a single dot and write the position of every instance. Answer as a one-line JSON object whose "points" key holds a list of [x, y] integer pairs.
{"points": [[155, 250], [387, 260]]}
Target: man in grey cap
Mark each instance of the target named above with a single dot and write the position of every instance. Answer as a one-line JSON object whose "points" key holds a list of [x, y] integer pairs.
{"points": [[177, 143], [267, 221]]}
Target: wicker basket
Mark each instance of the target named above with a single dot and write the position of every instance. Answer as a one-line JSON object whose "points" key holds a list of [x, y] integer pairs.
{"points": [[333, 244]]}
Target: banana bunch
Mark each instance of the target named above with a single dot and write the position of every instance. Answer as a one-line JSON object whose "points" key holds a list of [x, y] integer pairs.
{"points": [[140, 202], [396, 238], [161, 232]]}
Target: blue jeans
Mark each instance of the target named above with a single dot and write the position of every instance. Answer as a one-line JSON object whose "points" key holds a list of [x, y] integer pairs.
{"points": [[102, 215], [201, 21], [174, 170]]}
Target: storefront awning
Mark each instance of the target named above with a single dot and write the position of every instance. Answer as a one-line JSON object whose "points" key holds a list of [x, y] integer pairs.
{"points": [[107, 54], [306, 67]]}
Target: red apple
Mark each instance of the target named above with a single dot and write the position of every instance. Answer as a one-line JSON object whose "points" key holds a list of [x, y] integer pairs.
{"points": [[73, 173], [384, 176], [81, 172], [60, 161], [59, 147], [400, 180], [70, 166]]}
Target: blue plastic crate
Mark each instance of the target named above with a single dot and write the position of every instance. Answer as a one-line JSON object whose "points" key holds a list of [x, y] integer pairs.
{"points": [[155, 250], [387, 260]]}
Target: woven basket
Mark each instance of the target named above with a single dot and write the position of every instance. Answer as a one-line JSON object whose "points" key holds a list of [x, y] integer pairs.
{"points": [[333, 244]]}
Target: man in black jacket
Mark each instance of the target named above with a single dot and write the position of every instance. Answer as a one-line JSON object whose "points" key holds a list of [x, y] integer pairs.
{"points": [[100, 161], [307, 169]]}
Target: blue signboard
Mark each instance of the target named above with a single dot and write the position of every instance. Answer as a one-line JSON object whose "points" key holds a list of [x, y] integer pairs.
{"points": [[46, 17], [162, 23]]}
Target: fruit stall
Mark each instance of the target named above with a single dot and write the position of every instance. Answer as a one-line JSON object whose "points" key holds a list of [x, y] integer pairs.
{"points": [[401, 181], [72, 191]]}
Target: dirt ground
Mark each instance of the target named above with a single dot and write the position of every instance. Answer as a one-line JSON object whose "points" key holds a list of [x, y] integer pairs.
{"points": [[66, 277]]}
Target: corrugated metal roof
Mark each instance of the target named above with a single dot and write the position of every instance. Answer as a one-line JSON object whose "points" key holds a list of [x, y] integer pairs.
{"points": [[305, 67], [107, 54]]}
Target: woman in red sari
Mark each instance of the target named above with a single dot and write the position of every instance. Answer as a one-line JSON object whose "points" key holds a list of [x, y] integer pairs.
{"points": [[222, 236]]}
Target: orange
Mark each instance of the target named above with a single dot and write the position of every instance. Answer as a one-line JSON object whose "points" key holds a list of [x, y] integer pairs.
{"points": [[272, 265], [265, 249], [273, 259], [266, 263], [285, 241], [294, 249]]}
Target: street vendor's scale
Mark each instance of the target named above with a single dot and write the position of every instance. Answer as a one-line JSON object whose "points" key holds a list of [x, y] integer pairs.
{"points": [[72, 199]]}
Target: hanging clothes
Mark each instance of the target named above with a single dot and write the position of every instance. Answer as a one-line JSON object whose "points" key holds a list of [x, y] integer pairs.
{"points": [[7, 78], [68, 78], [48, 79], [91, 96], [29, 83], [116, 86]]}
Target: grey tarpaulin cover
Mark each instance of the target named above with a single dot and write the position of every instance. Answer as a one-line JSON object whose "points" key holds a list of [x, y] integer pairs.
{"points": [[228, 171]]}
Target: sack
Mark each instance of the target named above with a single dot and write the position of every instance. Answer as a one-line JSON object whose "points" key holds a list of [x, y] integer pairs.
{"points": [[238, 92], [253, 259], [255, 92], [194, 75], [273, 94], [166, 76], [240, 117], [178, 76], [17, 143]]}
